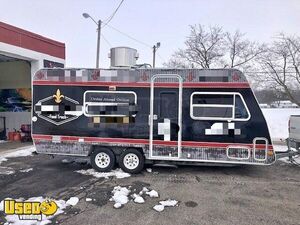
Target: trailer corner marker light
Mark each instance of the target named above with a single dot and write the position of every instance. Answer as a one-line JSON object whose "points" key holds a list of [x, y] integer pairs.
{"points": [[270, 153]]}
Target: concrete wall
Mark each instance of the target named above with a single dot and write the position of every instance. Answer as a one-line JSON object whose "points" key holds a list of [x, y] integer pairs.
{"points": [[15, 74], [14, 120]]}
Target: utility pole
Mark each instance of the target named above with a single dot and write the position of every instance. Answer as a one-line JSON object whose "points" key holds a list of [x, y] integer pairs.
{"points": [[98, 43], [155, 47], [99, 23]]}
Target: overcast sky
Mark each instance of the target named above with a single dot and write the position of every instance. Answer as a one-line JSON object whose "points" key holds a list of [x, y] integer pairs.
{"points": [[149, 21]]}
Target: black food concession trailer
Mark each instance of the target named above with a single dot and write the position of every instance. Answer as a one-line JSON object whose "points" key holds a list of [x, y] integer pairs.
{"points": [[137, 116]]}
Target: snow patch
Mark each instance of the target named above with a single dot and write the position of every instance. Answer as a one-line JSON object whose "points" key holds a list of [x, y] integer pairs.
{"points": [[117, 205], [149, 170], [26, 170], [277, 120], [144, 190], [169, 203], [72, 201], [138, 199], [118, 173], [166, 203], [6, 170], [159, 208], [19, 152], [120, 196], [67, 161], [152, 194]]}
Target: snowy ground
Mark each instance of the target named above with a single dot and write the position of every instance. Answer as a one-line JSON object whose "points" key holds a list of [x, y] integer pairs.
{"points": [[214, 194], [277, 120]]}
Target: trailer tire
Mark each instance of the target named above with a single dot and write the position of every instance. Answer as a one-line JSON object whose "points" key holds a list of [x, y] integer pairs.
{"points": [[132, 161], [103, 160]]}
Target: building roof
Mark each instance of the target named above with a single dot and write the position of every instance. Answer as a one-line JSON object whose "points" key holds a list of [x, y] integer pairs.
{"points": [[25, 39]]}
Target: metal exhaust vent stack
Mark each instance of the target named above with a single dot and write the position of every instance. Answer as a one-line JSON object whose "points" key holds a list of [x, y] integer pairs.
{"points": [[121, 57]]}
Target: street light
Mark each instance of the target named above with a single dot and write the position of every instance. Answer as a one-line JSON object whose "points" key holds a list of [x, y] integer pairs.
{"points": [[86, 15], [155, 47]]}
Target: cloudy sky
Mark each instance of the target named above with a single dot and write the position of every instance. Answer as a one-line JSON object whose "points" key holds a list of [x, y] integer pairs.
{"points": [[148, 21]]}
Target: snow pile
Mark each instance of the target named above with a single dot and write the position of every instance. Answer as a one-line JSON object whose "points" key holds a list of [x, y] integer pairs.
{"points": [[67, 161], [118, 173], [14, 219], [169, 203], [138, 199], [26, 170], [149, 170], [166, 203], [120, 196], [159, 208], [143, 191], [19, 152], [277, 120], [72, 201], [152, 194]]}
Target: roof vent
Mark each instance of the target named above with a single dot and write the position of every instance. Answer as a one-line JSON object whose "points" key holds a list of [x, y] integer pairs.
{"points": [[122, 57]]}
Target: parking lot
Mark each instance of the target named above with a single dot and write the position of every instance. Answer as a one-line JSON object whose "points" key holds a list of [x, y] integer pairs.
{"points": [[205, 195]]}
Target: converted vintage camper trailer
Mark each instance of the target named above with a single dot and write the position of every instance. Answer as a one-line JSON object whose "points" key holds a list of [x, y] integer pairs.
{"points": [[135, 116]]}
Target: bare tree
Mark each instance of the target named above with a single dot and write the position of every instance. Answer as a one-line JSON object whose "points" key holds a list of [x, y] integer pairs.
{"points": [[280, 66], [241, 51], [203, 47], [212, 48]]}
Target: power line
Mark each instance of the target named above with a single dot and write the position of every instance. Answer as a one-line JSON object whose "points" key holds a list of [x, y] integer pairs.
{"points": [[161, 58], [121, 32], [106, 40], [113, 14]]}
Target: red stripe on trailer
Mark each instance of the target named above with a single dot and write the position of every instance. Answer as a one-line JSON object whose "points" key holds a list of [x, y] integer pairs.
{"points": [[146, 142], [145, 84]]}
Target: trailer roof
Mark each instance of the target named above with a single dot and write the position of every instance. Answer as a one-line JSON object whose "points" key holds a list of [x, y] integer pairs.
{"points": [[138, 75]]}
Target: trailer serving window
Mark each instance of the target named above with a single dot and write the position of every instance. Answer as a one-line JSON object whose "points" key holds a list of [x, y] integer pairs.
{"points": [[110, 103], [229, 106]]}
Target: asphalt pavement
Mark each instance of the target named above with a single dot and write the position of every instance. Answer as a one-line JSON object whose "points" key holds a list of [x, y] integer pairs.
{"points": [[205, 195]]}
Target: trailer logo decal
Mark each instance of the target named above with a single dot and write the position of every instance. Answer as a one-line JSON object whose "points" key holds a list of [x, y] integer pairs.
{"points": [[58, 96], [58, 109]]}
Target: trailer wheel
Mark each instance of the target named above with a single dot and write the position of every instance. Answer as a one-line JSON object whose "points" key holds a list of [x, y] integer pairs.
{"points": [[131, 161], [103, 160]]}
